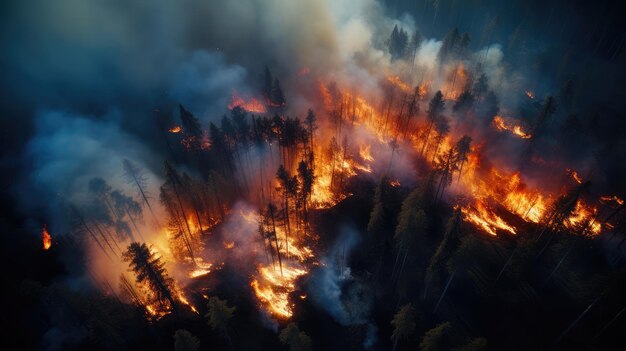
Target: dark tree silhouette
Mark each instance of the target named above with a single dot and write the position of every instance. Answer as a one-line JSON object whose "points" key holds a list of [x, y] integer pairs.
{"points": [[191, 125], [436, 339], [450, 45], [135, 176], [435, 108], [219, 316], [475, 344], [277, 98], [436, 271], [150, 270], [463, 148], [185, 341], [127, 206], [464, 102], [266, 84], [296, 340], [403, 324], [398, 43]]}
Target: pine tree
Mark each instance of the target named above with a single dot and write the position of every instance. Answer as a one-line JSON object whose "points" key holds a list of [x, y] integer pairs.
{"points": [[463, 148], [436, 339], [435, 108], [416, 42], [412, 223], [436, 270], [266, 85], [185, 341], [136, 177], [296, 340], [442, 127], [398, 43], [191, 125], [380, 211], [219, 316], [464, 102], [449, 45], [277, 98], [403, 324], [475, 344], [150, 270], [127, 206]]}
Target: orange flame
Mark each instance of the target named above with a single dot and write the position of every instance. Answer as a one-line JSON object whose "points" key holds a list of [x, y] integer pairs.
{"points": [[47, 238], [175, 129], [273, 288], [480, 215], [615, 198], [397, 82], [583, 218], [575, 176], [184, 301], [250, 105], [501, 125]]}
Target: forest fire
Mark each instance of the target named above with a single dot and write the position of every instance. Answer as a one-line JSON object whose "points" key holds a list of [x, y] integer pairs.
{"points": [[47, 238], [342, 168]]}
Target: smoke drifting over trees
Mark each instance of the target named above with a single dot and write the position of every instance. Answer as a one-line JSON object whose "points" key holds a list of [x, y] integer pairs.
{"points": [[267, 174]]}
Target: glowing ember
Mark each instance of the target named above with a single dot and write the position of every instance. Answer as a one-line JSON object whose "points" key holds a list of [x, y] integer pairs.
{"points": [[530, 94], [229, 245], [175, 129], [47, 238]]}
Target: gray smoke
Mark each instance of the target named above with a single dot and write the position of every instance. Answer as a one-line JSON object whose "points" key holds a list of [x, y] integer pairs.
{"points": [[334, 289]]}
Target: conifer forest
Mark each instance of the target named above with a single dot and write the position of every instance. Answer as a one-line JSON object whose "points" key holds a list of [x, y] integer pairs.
{"points": [[313, 175]]}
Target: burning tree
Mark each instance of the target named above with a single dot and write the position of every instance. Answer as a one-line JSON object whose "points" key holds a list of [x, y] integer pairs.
{"points": [[150, 272]]}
